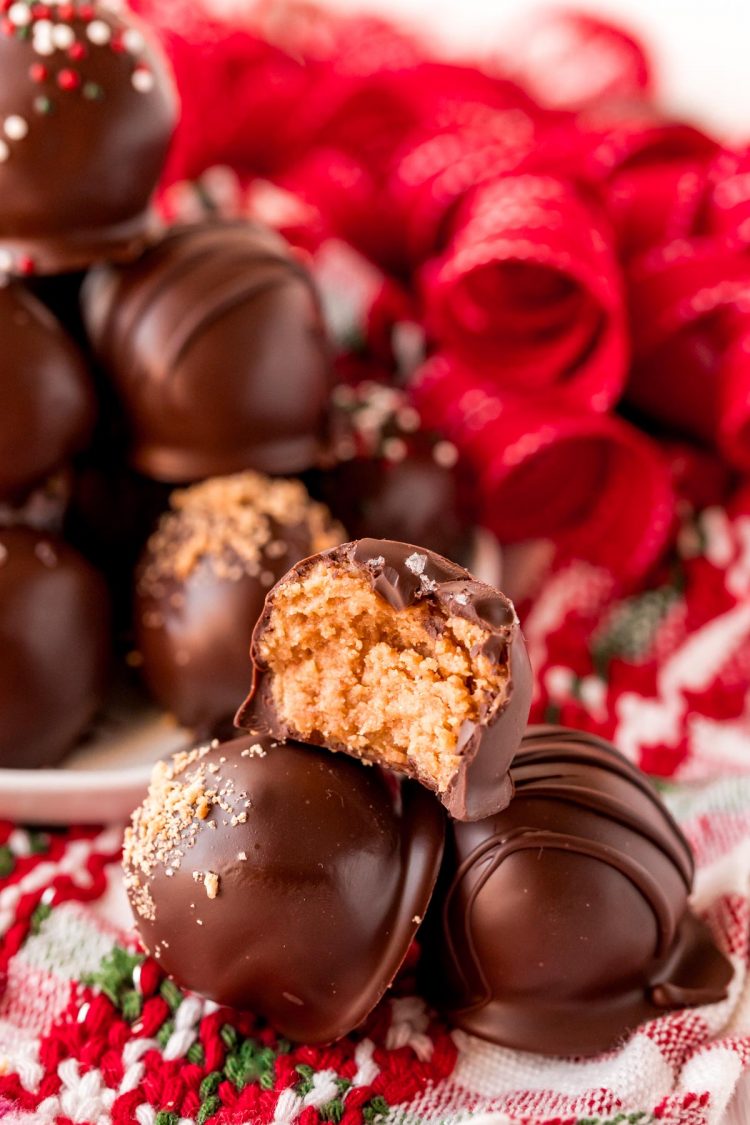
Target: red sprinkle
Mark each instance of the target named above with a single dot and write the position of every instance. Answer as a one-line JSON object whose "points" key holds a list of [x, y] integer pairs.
{"points": [[25, 265], [40, 12], [66, 13], [68, 79], [86, 12], [38, 72], [77, 52], [116, 44]]}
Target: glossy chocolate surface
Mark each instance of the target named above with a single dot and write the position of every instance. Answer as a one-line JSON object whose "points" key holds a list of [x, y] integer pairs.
{"points": [[54, 647], [299, 891], [562, 923], [412, 500], [405, 575], [44, 508], [193, 622], [89, 107], [47, 402], [215, 345], [391, 479]]}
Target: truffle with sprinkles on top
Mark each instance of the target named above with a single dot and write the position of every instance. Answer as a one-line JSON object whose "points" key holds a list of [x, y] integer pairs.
{"points": [[87, 111]]}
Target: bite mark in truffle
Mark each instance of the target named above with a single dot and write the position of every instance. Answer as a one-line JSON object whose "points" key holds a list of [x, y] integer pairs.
{"points": [[395, 655]]}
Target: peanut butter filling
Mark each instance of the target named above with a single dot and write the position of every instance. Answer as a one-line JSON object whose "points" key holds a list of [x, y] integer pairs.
{"points": [[395, 686]]}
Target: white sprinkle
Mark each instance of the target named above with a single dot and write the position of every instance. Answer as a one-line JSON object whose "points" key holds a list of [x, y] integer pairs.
{"points": [[143, 80], [377, 561], [132, 40], [394, 449], [429, 585], [6, 258], [462, 599], [445, 454], [16, 127], [19, 15], [242, 856], [98, 32], [4, 154], [408, 420], [254, 751], [46, 554], [43, 29], [63, 36], [416, 563], [43, 45]]}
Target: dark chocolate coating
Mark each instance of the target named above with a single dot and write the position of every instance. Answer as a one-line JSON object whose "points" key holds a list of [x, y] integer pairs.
{"points": [[44, 508], [482, 784], [562, 922], [414, 500], [78, 172], [193, 633], [310, 928], [54, 647], [113, 511], [47, 402], [215, 344]]}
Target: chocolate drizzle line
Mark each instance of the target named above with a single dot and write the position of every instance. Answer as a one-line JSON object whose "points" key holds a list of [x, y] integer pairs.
{"points": [[561, 749]]}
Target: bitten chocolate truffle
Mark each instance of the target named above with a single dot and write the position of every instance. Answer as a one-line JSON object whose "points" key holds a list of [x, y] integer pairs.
{"points": [[87, 111], [54, 625], [281, 879], [215, 344], [47, 401], [562, 923], [395, 655], [203, 580]]}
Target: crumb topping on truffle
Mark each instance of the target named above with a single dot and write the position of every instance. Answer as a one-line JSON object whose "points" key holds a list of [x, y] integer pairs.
{"points": [[182, 796], [232, 524]]}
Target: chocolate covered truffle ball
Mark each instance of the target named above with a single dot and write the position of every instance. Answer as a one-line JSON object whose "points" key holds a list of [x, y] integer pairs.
{"points": [[393, 654], [46, 395], [562, 923], [87, 110], [215, 345], [281, 879], [203, 580], [54, 647], [392, 479]]}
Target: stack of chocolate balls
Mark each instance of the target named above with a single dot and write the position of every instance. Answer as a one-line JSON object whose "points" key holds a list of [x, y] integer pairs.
{"points": [[150, 381], [159, 412], [157, 391], [547, 882]]}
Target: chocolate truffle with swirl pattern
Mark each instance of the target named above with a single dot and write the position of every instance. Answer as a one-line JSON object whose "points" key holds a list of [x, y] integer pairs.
{"points": [[563, 922], [215, 346]]}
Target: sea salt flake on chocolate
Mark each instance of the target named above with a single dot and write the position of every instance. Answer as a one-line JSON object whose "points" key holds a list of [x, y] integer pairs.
{"points": [[416, 563]]}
